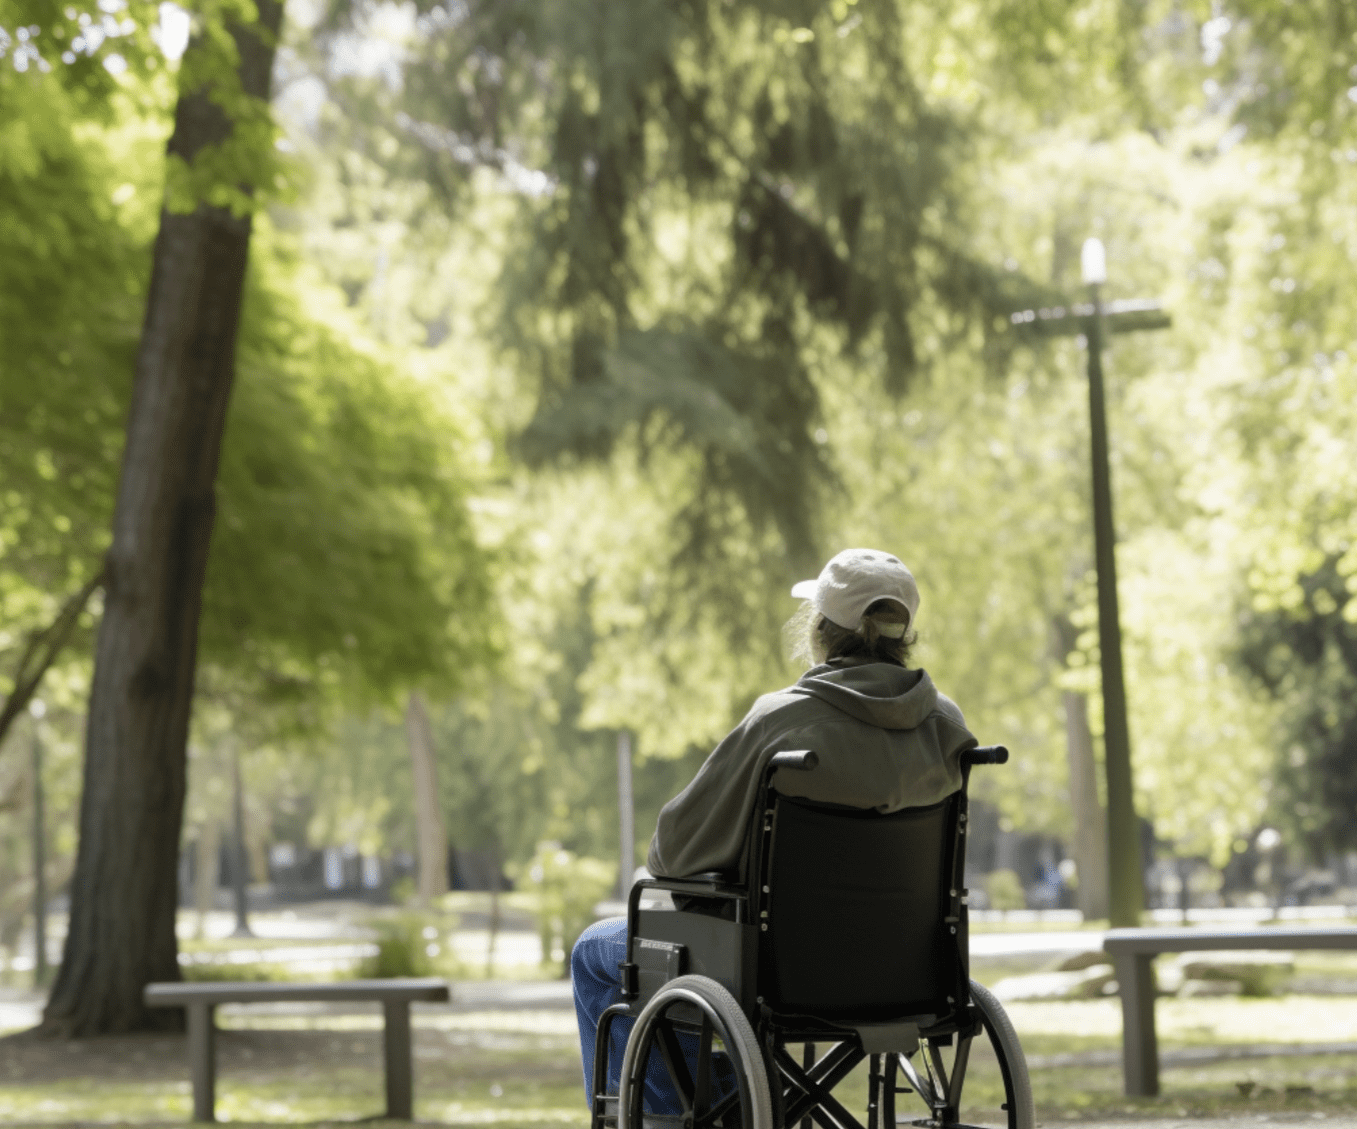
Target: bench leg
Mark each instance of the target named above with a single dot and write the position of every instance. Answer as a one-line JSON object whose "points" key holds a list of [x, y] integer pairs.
{"points": [[396, 1048], [202, 1060], [1139, 1044]]}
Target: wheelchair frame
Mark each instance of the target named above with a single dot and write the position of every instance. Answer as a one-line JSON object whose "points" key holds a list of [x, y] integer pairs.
{"points": [[735, 951]]}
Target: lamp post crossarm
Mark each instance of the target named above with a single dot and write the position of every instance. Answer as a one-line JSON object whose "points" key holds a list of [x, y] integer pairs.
{"points": [[1125, 315]]}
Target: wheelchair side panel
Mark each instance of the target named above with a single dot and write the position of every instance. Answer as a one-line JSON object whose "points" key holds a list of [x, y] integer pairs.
{"points": [[726, 951]]}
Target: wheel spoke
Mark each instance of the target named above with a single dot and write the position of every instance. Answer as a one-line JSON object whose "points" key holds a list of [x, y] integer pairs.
{"points": [[718, 1111], [702, 1090], [672, 1056]]}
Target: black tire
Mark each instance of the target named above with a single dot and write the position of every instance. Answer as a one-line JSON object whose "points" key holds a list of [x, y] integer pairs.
{"points": [[995, 1089], [1013, 1063], [696, 1005]]}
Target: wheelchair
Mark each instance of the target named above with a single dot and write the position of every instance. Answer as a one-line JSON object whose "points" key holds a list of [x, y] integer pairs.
{"points": [[849, 938]]}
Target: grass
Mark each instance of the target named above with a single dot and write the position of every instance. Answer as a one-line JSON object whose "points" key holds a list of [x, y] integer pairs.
{"points": [[517, 1068]]}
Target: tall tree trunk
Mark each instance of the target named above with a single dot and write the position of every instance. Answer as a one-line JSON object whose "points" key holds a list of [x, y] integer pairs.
{"points": [[206, 876], [124, 890], [240, 855], [1090, 818], [429, 830]]}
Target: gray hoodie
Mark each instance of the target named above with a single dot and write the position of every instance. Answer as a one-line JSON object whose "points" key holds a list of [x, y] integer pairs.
{"points": [[886, 739]]}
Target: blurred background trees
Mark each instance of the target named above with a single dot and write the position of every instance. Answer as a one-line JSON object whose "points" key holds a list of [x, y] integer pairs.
{"points": [[576, 332]]}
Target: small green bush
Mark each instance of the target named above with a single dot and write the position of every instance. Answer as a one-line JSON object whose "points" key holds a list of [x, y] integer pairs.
{"points": [[1004, 890], [567, 888], [402, 949]]}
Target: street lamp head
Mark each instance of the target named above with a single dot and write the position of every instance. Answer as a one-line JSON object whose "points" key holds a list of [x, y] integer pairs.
{"points": [[1093, 260]]}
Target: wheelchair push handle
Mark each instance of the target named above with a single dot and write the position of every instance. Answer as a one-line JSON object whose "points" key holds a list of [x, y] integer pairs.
{"points": [[985, 754], [801, 759]]}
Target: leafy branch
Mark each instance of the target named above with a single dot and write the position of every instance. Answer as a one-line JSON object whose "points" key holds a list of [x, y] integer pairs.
{"points": [[41, 651]]}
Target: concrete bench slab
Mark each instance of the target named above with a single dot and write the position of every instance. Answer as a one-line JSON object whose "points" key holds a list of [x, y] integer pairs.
{"points": [[1133, 951], [201, 1000]]}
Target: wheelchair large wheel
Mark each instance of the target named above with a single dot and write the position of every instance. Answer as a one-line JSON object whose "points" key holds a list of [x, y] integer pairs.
{"points": [[962, 1081], [709, 1054]]}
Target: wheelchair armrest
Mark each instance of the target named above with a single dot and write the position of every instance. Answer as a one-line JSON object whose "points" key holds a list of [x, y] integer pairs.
{"points": [[985, 754], [802, 760], [710, 883]]}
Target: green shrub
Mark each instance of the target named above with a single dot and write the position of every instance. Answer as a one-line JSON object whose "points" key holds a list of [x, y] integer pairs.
{"points": [[1004, 890], [567, 887], [402, 949]]}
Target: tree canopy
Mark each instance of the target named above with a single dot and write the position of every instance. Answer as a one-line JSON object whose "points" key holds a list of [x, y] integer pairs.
{"points": [[585, 329], [344, 551]]}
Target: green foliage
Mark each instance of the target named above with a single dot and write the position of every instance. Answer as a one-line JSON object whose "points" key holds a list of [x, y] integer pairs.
{"points": [[85, 47], [1004, 890], [343, 556], [72, 276], [346, 475], [402, 949], [822, 201], [1306, 656], [730, 282], [567, 888]]}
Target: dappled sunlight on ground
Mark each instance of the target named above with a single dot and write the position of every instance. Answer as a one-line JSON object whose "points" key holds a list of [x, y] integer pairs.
{"points": [[1227, 1019]]}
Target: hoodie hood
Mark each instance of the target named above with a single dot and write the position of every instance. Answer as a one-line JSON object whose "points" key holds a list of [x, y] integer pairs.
{"points": [[881, 694]]}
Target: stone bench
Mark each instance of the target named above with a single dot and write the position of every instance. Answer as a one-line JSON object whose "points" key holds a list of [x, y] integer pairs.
{"points": [[1133, 951], [200, 1000]]}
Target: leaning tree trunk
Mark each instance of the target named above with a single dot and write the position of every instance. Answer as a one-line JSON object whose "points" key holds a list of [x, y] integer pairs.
{"points": [[430, 833], [125, 889]]}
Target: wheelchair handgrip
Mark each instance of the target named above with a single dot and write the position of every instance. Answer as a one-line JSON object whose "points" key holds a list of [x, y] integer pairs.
{"points": [[985, 754], [801, 759]]}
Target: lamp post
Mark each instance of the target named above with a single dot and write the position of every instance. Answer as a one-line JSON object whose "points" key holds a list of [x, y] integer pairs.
{"points": [[1093, 320], [37, 708]]}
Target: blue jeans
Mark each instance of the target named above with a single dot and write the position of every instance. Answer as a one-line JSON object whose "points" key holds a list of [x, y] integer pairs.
{"points": [[598, 985]]}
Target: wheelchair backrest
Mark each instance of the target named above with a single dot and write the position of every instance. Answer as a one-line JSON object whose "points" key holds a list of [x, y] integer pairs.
{"points": [[863, 910]]}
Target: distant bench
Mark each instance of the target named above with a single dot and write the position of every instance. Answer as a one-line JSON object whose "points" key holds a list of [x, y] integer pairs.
{"points": [[201, 1000], [1133, 950]]}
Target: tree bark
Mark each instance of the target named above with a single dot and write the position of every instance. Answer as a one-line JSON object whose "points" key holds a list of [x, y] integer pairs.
{"points": [[124, 890], [206, 875], [1090, 818], [429, 830], [240, 855]]}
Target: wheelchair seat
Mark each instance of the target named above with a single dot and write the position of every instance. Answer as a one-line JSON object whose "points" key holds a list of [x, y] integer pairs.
{"points": [[849, 932]]}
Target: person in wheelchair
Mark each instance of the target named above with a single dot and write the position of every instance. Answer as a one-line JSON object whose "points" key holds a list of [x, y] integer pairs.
{"points": [[884, 737]]}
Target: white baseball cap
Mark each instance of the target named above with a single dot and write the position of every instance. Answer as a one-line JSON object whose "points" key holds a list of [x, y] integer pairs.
{"points": [[854, 580]]}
